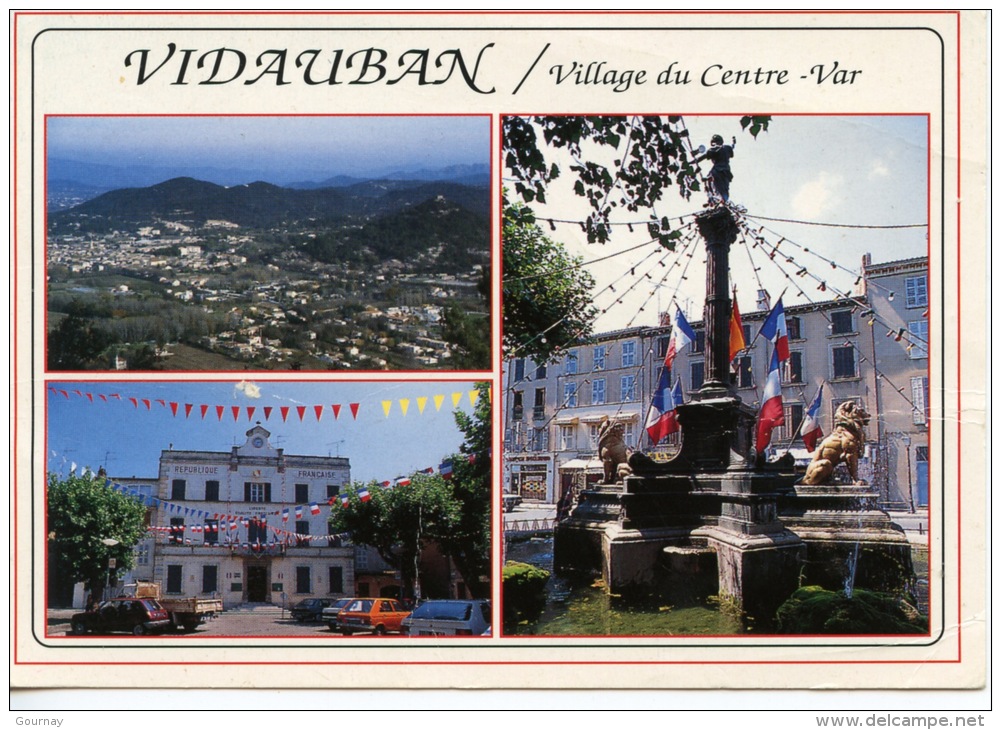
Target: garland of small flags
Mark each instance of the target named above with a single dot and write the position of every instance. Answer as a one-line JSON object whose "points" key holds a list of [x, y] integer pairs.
{"points": [[311, 413], [225, 523]]}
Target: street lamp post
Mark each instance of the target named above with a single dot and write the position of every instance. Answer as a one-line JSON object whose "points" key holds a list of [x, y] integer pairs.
{"points": [[108, 542]]}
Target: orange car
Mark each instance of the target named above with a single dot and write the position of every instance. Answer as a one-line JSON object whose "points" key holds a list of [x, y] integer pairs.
{"points": [[378, 615]]}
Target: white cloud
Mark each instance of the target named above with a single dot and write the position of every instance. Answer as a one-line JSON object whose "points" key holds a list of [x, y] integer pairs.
{"points": [[818, 197], [878, 169], [249, 389]]}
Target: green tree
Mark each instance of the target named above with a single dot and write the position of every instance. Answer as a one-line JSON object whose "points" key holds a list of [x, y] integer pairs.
{"points": [[398, 521], [82, 511], [547, 295], [455, 512], [76, 344], [470, 336], [651, 153], [468, 542]]}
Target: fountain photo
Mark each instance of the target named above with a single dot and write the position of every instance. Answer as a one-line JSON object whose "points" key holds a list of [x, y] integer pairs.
{"points": [[717, 353]]}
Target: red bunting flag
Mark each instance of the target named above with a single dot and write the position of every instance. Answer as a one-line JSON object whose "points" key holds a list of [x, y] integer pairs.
{"points": [[336, 408], [173, 408], [90, 397], [78, 393], [301, 410], [134, 402], [219, 411], [250, 411], [162, 402], [236, 412], [284, 410], [318, 410], [204, 408], [102, 397], [146, 403], [66, 394], [267, 412], [354, 409], [187, 409]]}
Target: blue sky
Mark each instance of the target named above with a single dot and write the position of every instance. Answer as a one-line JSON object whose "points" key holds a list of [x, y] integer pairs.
{"points": [[129, 439], [285, 148], [856, 170]]}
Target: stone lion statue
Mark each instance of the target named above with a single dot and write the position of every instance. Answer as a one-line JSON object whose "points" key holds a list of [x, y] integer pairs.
{"points": [[843, 445], [612, 450]]}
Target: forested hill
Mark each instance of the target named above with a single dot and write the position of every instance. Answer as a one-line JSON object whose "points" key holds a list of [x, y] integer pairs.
{"points": [[436, 233], [259, 205]]}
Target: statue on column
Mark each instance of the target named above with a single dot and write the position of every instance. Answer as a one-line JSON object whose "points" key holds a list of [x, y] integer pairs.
{"points": [[720, 175]]}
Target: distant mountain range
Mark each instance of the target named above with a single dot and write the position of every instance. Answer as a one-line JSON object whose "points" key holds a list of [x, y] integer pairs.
{"points": [[75, 178], [261, 204]]}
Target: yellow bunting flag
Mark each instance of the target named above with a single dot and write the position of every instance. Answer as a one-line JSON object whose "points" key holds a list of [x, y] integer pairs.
{"points": [[473, 397], [456, 397], [386, 405], [438, 401], [404, 405], [421, 402]]}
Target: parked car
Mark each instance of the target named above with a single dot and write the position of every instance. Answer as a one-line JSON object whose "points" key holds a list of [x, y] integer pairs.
{"points": [[449, 618], [309, 609], [329, 615], [138, 616], [511, 501], [378, 615]]}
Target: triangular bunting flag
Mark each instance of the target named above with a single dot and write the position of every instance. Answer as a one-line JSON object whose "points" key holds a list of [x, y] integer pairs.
{"points": [[236, 412], [336, 408], [386, 405], [146, 403], [301, 410], [173, 408], [219, 411], [354, 410], [421, 402], [456, 397], [284, 411], [438, 401], [318, 410], [404, 405], [135, 402], [90, 397], [162, 402], [204, 408], [250, 411], [474, 395], [267, 412]]}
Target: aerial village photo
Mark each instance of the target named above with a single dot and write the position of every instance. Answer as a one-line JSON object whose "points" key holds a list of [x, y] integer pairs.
{"points": [[716, 366], [308, 243], [317, 510]]}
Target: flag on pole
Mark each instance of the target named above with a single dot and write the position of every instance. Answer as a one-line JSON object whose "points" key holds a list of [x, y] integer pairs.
{"points": [[774, 330], [662, 419], [771, 414], [736, 330], [682, 334], [811, 424], [314, 508]]}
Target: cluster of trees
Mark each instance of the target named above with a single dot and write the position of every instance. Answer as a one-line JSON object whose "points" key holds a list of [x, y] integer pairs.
{"points": [[454, 513]]}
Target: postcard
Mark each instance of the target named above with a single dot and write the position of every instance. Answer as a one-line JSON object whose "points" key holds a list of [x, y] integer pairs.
{"points": [[499, 350]]}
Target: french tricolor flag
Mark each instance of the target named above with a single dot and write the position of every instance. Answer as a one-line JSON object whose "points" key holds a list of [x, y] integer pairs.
{"points": [[345, 500], [811, 422], [363, 495], [774, 329], [445, 469], [314, 508], [285, 515], [771, 414], [298, 511], [402, 481], [682, 335], [663, 417]]}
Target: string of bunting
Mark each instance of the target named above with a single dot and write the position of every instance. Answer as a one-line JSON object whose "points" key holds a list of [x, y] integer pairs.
{"points": [[225, 523], [302, 413]]}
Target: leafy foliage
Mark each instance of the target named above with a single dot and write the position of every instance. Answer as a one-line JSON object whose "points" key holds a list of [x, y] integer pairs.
{"points": [[454, 512], [470, 337], [398, 521], [524, 590], [814, 610], [82, 511], [547, 295], [651, 153], [76, 344]]}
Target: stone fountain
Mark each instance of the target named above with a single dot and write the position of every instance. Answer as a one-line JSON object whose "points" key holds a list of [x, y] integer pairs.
{"points": [[717, 520]]}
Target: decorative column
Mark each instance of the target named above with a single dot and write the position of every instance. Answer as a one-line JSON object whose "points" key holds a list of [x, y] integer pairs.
{"points": [[719, 231]]}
